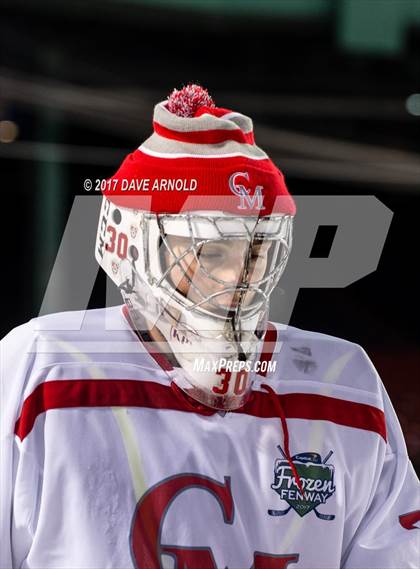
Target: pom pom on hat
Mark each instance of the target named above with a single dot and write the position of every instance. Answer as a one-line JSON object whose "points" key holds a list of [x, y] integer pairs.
{"points": [[200, 151], [188, 100]]}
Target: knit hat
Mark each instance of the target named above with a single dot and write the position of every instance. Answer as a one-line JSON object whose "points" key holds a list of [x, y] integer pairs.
{"points": [[202, 151]]}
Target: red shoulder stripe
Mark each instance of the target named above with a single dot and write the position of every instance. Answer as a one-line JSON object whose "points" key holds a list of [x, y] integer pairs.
{"points": [[314, 407], [73, 393]]}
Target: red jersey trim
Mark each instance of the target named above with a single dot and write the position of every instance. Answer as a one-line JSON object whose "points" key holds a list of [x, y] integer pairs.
{"points": [[64, 394], [270, 340], [205, 136], [159, 358], [407, 521]]}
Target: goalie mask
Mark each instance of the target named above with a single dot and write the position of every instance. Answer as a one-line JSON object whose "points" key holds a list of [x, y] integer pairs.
{"points": [[196, 230]]}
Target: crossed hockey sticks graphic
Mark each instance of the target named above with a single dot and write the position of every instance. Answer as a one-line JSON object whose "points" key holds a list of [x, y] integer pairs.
{"points": [[326, 517]]}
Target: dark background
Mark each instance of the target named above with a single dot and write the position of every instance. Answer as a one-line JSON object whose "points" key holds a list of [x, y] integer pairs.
{"points": [[330, 85]]}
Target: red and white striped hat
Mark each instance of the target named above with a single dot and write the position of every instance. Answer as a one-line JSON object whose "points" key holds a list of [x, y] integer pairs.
{"points": [[204, 152]]}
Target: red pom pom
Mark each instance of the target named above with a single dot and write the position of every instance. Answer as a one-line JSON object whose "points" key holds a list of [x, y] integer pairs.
{"points": [[188, 100]]}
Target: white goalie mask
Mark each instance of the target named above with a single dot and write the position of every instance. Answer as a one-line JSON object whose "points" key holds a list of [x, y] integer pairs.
{"points": [[202, 279]]}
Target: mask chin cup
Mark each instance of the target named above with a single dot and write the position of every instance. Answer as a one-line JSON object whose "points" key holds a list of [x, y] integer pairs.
{"points": [[216, 390], [216, 361]]}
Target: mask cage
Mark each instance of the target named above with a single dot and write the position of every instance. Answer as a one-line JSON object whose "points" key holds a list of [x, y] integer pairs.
{"points": [[202, 230]]}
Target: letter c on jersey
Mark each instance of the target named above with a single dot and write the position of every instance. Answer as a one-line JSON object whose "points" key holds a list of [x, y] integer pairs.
{"points": [[149, 516]]}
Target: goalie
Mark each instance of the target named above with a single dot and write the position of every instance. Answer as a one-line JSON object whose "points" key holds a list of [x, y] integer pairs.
{"points": [[177, 431]]}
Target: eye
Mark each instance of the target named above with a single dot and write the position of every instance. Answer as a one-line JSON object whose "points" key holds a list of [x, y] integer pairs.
{"points": [[210, 255], [211, 252]]}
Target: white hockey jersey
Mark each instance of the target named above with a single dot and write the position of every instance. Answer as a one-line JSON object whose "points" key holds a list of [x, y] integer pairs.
{"points": [[105, 465]]}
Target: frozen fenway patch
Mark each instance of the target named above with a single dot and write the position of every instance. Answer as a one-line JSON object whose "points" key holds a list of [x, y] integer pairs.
{"points": [[317, 478]]}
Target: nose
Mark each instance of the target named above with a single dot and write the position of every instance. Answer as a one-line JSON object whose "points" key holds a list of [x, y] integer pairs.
{"points": [[232, 272]]}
